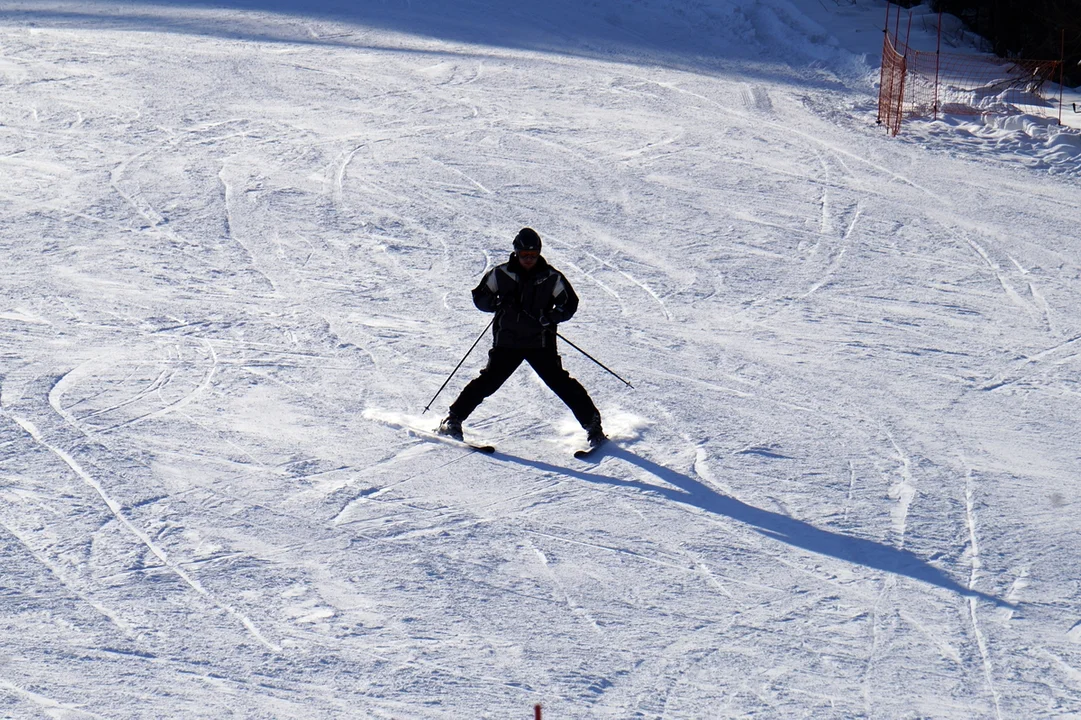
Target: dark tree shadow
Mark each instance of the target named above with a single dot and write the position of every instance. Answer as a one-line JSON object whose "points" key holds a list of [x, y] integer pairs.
{"points": [[797, 533]]}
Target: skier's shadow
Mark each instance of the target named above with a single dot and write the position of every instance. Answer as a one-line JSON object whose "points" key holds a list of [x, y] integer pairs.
{"points": [[797, 533]]}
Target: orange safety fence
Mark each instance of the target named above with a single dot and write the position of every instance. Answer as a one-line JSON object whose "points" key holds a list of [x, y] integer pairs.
{"points": [[977, 85], [891, 91], [916, 83]]}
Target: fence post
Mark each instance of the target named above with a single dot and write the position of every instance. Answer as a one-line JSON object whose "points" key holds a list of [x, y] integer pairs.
{"points": [[882, 69], [900, 111], [1061, 75], [897, 28], [938, 59]]}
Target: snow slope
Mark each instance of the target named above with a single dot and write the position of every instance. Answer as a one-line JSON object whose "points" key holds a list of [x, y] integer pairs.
{"points": [[238, 243]]}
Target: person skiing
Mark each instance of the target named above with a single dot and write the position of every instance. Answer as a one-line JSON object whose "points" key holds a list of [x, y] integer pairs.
{"points": [[529, 298]]}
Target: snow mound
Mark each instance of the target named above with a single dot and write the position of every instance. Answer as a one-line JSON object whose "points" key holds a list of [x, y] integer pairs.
{"points": [[1031, 140]]}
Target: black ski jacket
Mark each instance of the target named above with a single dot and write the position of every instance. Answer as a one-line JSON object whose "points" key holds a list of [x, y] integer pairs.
{"points": [[520, 300]]}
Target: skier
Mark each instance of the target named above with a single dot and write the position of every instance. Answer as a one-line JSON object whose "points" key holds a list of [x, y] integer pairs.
{"points": [[529, 298]]}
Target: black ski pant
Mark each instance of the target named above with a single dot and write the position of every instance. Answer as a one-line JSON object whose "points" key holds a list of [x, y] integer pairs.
{"points": [[503, 361]]}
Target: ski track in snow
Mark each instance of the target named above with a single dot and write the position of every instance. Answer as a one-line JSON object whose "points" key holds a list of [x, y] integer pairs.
{"points": [[115, 508], [903, 491], [48, 705], [974, 558], [238, 251]]}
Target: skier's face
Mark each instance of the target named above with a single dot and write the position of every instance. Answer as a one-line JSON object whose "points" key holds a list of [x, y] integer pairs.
{"points": [[528, 258]]}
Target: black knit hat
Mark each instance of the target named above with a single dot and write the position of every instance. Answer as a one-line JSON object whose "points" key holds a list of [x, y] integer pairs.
{"points": [[527, 239]]}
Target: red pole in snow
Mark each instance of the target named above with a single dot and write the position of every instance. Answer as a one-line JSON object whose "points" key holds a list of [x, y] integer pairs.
{"points": [[938, 59], [537, 712], [1061, 75], [897, 28], [908, 33], [882, 69]]}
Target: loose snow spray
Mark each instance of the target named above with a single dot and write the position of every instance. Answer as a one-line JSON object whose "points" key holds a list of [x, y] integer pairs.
{"points": [[397, 419], [618, 424]]}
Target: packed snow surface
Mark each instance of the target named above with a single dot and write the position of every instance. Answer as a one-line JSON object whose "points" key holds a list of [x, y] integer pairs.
{"points": [[238, 242]]}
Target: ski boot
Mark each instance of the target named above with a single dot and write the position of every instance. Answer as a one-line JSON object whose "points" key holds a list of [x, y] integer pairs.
{"points": [[594, 432], [451, 427]]}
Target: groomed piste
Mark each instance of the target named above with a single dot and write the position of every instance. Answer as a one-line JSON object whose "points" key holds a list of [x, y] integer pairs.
{"points": [[237, 243]]}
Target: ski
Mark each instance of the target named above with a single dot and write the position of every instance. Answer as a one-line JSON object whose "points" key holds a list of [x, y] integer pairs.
{"points": [[448, 440], [590, 451], [408, 423], [486, 449]]}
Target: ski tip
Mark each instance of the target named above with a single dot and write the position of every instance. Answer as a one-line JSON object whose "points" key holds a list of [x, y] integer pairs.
{"points": [[486, 449], [589, 452]]}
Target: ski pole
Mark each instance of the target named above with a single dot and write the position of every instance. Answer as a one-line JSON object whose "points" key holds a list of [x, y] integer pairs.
{"points": [[594, 360], [609, 370], [457, 366]]}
